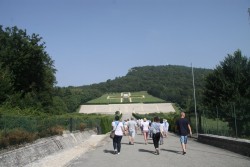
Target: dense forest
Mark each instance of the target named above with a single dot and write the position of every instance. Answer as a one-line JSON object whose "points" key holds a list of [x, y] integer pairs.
{"points": [[27, 81], [171, 83]]}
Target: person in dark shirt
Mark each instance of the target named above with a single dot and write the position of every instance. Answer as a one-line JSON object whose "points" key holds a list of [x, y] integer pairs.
{"points": [[184, 129]]}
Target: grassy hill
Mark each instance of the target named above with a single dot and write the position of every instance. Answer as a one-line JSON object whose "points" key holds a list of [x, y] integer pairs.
{"points": [[126, 97]]}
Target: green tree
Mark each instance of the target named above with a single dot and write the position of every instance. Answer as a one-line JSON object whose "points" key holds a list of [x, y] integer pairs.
{"points": [[5, 85], [30, 67], [228, 89]]}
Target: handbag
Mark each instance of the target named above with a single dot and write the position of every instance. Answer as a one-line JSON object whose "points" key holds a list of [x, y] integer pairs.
{"points": [[112, 134]]}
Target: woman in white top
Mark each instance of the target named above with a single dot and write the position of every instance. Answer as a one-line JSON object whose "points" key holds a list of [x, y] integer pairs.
{"points": [[145, 129], [119, 130]]}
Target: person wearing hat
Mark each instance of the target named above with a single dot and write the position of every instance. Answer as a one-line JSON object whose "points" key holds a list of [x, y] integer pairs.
{"points": [[165, 126]]}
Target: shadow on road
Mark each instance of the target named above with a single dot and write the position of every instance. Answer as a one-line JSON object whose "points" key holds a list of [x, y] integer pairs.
{"points": [[125, 143], [109, 151], [147, 151], [139, 143], [172, 151]]}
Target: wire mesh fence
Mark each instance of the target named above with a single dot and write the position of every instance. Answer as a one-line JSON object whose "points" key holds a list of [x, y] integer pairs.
{"points": [[216, 126], [37, 124], [16, 130]]}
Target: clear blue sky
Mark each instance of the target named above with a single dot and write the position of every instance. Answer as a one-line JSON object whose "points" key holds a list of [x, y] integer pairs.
{"points": [[92, 41]]}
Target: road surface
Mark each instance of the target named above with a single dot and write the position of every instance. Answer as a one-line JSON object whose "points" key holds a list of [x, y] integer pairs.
{"points": [[141, 155]]}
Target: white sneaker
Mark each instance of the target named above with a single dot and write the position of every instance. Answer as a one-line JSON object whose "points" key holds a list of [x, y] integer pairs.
{"points": [[157, 151]]}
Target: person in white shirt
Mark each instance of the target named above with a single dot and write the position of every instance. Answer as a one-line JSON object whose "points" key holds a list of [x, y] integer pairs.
{"points": [[145, 129], [165, 127], [117, 126], [163, 134]]}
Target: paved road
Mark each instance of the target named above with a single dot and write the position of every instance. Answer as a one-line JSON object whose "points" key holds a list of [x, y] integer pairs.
{"points": [[141, 155]]}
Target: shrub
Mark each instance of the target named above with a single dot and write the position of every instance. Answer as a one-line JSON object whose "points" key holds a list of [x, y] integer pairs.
{"points": [[18, 136], [4, 142], [82, 126], [106, 124], [56, 130]]}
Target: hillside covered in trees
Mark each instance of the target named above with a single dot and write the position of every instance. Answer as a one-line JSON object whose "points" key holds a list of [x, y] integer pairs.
{"points": [[171, 83]]}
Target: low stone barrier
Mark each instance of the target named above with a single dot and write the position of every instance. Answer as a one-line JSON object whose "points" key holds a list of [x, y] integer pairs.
{"points": [[42, 148], [240, 146]]}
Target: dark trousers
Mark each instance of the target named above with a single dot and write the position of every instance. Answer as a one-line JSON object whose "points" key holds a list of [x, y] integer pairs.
{"points": [[117, 143], [156, 138]]}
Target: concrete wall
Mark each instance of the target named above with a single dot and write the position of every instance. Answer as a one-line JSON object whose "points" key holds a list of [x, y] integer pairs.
{"points": [[128, 108], [42, 148], [240, 146]]}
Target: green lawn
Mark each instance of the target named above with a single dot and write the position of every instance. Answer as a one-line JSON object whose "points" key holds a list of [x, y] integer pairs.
{"points": [[135, 97]]}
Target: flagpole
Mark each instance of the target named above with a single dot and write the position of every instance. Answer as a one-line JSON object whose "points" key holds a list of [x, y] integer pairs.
{"points": [[194, 102]]}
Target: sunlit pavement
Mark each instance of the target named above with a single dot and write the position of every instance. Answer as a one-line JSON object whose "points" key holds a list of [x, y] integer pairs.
{"points": [[141, 155]]}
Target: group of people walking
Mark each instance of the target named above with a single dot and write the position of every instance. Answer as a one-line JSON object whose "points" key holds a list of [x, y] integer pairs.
{"points": [[157, 129]]}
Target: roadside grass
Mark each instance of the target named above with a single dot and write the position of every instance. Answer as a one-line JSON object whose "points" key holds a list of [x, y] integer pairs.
{"points": [[212, 126]]}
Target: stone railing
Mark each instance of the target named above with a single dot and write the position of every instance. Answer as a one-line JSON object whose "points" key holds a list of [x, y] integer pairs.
{"points": [[236, 145], [42, 148]]}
